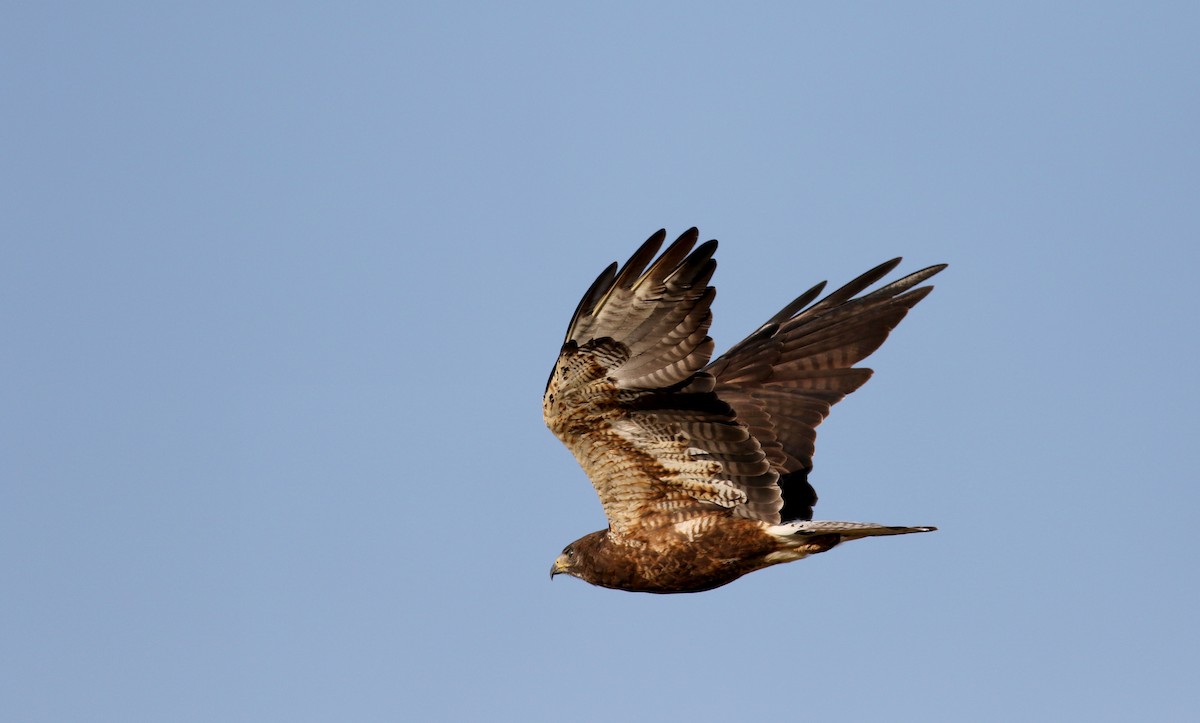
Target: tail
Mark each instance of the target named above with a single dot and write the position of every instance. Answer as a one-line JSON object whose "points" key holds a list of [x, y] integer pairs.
{"points": [[814, 536]]}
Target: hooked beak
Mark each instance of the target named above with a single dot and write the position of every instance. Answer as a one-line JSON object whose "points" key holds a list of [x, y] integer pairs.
{"points": [[558, 567]]}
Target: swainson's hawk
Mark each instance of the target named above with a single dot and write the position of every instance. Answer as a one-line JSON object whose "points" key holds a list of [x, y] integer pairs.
{"points": [[702, 468]]}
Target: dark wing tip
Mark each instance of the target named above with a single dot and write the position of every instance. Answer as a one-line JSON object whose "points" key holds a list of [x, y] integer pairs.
{"points": [[928, 272], [636, 264], [595, 292]]}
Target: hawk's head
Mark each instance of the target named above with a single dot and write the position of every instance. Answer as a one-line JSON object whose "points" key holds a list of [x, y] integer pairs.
{"points": [[578, 558]]}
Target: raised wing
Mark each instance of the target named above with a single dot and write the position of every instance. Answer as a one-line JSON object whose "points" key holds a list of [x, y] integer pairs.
{"points": [[783, 378], [630, 400], [665, 438]]}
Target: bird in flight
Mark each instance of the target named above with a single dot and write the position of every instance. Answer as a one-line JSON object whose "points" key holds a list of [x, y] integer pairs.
{"points": [[702, 468]]}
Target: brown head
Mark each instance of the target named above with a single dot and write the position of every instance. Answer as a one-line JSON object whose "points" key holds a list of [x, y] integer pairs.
{"points": [[584, 558]]}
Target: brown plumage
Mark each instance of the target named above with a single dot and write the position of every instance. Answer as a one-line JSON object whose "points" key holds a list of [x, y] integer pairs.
{"points": [[702, 468]]}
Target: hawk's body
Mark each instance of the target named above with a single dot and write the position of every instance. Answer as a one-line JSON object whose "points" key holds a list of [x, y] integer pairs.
{"points": [[702, 468]]}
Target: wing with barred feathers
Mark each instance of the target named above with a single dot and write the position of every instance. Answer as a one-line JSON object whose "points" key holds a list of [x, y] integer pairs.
{"points": [[783, 378], [667, 437], [629, 398]]}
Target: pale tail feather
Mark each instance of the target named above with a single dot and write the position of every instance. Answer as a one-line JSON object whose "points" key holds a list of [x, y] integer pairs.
{"points": [[846, 530]]}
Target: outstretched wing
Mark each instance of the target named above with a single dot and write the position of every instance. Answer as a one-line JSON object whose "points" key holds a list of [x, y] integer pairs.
{"points": [[665, 438], [783, 378], [630, 400]]}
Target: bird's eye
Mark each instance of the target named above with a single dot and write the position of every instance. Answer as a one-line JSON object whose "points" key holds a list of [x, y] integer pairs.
{"points": [[570, 552]]}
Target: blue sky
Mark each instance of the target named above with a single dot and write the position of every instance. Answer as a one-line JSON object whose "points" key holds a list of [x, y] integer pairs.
{"points": [[281, 284]]}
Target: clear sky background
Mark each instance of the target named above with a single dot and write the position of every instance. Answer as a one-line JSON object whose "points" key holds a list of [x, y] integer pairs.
{"points": [[281, 285]]}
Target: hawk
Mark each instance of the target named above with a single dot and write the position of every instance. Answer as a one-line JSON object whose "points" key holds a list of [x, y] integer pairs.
{"points": [[702, 468]]}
